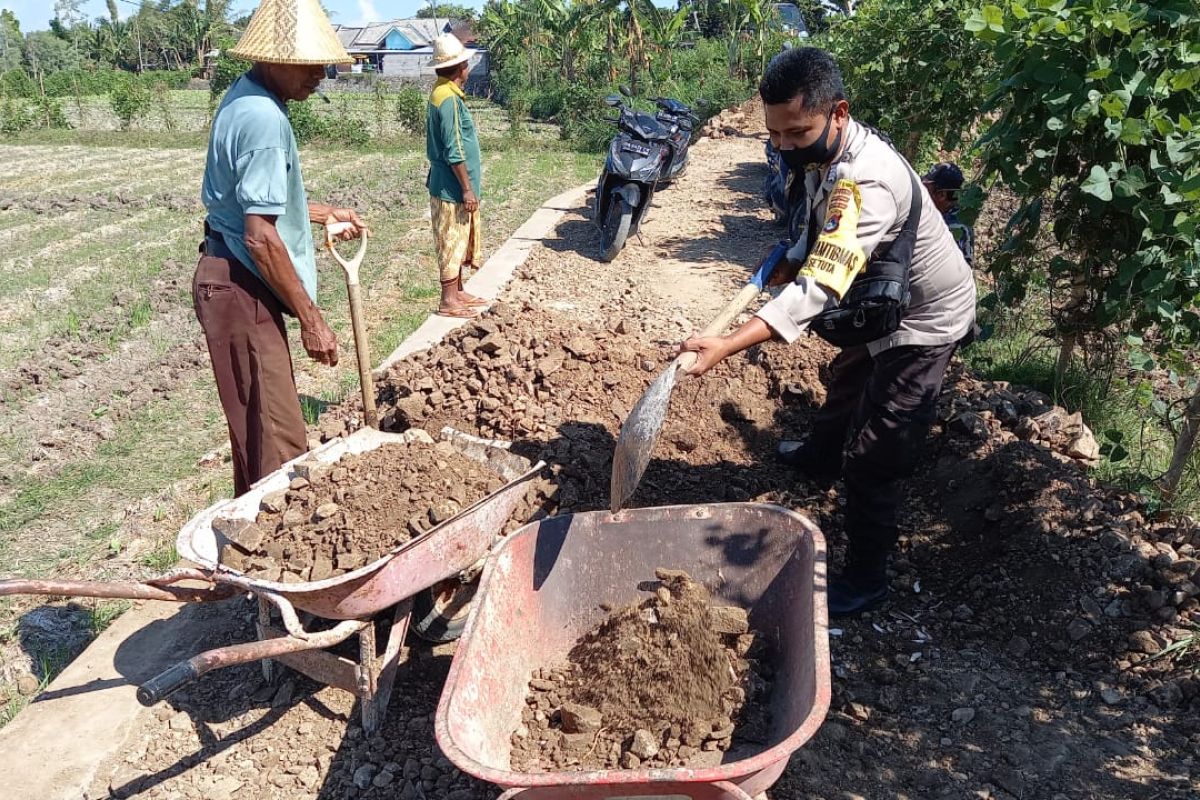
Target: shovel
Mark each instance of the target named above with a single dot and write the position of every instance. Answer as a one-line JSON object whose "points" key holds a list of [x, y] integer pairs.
{"points": [[361, 349], [644, 422]]}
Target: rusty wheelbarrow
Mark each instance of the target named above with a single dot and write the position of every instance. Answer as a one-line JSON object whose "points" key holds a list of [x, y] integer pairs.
{"points": [[351, 601], [543, 587]]}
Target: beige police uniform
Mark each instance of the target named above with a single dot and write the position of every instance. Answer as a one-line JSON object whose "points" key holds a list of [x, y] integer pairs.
{"points": [[942, 308], [882, 397]]}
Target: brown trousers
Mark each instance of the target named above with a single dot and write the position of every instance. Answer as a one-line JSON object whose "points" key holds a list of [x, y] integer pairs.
{"points": [[247, 343]]}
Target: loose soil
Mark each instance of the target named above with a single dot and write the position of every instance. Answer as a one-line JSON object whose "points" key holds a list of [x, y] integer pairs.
{"points": [[1020, 655], [335, 518], [658, 683]]}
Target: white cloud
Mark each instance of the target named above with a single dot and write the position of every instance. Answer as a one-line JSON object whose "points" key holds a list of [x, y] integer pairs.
{"points": [[368, 12]]}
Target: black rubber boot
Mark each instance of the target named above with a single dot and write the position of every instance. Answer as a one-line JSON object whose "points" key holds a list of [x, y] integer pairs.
{"points": [[818, 467], [851, 595]]}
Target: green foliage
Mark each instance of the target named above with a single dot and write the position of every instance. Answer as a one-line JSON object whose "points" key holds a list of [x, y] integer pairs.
{"points": [[17, 83], [446, 10], [226, 70], [48, 113], [87, 82], [336, 127], [559, 58], [411, 106], [15, 116], [913, 71], [1097, 108], [130, 99]]}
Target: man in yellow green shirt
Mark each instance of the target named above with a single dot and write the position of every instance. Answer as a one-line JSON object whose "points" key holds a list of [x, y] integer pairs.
{"points": [[455, 172]]}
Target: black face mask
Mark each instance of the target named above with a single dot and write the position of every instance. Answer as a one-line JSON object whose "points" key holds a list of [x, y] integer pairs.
{"points": [[817, 153]]}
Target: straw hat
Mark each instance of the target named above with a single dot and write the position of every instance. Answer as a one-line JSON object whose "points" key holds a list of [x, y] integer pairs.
{"points": [[291, 32], [448, 51]]}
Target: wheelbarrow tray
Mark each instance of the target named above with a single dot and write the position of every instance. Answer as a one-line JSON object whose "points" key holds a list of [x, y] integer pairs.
{"points": [[542, 588], [441, 552]]}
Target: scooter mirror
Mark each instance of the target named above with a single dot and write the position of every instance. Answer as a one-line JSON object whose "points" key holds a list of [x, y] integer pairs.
{"points": [[612, 100], [625, 91]]}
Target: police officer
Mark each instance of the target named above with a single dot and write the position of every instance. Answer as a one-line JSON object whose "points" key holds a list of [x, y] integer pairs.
{"points": [[944, 181], [854, 196]]}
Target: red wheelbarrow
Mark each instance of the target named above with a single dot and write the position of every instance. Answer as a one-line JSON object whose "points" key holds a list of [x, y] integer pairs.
{"points": [[542, 588], [353, 601]]}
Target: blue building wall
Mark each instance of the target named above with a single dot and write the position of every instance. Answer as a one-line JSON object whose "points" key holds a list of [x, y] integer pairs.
{"points": [[395, 40]]}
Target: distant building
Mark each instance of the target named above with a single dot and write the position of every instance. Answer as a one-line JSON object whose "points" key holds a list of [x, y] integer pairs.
{"points": [[402, 48]]}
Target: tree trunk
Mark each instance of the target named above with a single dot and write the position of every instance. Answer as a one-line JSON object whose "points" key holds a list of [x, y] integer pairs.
{"points": [[1185, 443], [912, 145], [1074, 314], [1065, 351]]}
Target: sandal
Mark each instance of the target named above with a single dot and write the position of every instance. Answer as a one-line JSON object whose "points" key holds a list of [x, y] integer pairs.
{"points": [[471, 301], [458, 313]]}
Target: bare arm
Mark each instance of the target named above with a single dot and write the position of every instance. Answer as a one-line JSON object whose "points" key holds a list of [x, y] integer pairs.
{"points": [[322, 214], [712, 350], [470, 201], [275, 266]]}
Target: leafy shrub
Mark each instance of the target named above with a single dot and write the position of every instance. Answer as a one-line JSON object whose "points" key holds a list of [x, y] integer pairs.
{"points": [[923, 91], [88, 82], [226, 70], [338, 127], [48, 113], [14, 116], [130, 99], [17, 83], [410, 109]]}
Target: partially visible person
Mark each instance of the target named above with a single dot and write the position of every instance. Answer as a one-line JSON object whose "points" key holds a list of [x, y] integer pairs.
{"points": [[257, 260], [944, 181], [455, 177]]}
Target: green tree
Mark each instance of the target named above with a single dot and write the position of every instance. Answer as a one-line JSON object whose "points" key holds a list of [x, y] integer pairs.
{"points": [[914, 71], [1096, 132], [46, 53], [447, 10], [12, 43]]}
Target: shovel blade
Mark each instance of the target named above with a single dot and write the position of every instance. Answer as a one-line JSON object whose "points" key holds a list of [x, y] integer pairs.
{"points": [[637, 438]]}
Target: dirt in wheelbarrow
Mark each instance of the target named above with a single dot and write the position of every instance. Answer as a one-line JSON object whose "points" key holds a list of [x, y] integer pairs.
{"points": [[336, 518], [671, 681]]}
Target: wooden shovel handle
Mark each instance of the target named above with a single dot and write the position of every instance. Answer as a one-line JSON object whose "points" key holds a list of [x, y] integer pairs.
{"points": [[728, 314]]}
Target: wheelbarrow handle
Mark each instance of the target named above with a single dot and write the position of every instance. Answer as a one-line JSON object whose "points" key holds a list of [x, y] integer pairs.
{"points": [[167, 683], [351, 267], [183, 673], [154, 589]]}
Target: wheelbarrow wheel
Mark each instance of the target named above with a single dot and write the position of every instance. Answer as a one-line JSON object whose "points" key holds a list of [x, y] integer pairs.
{"points": [[440, 612]]}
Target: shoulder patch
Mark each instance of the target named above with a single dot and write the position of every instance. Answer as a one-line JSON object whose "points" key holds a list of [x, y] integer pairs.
{"points": [[836, 257]]}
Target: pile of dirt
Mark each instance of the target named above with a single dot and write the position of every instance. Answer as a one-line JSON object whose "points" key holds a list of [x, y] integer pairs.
{"points": [[658, 683], [743, 120], [561, 394], [335, 518]]}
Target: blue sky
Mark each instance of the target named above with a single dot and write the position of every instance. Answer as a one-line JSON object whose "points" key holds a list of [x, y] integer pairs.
{"points": [[36, 14]]}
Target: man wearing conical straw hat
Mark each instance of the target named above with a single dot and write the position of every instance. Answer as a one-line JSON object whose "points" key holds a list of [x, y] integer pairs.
{"points": [[455, 175], [257, 261]]}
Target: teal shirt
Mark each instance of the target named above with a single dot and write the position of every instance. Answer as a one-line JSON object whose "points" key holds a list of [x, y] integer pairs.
{"points": [[450, 138], [253, 167]]}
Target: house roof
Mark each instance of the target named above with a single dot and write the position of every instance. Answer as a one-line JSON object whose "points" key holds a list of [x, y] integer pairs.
{"points": [[420, 32]]}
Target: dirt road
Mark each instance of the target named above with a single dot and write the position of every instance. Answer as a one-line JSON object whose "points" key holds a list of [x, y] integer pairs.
{"points": [[1015, 661]]}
